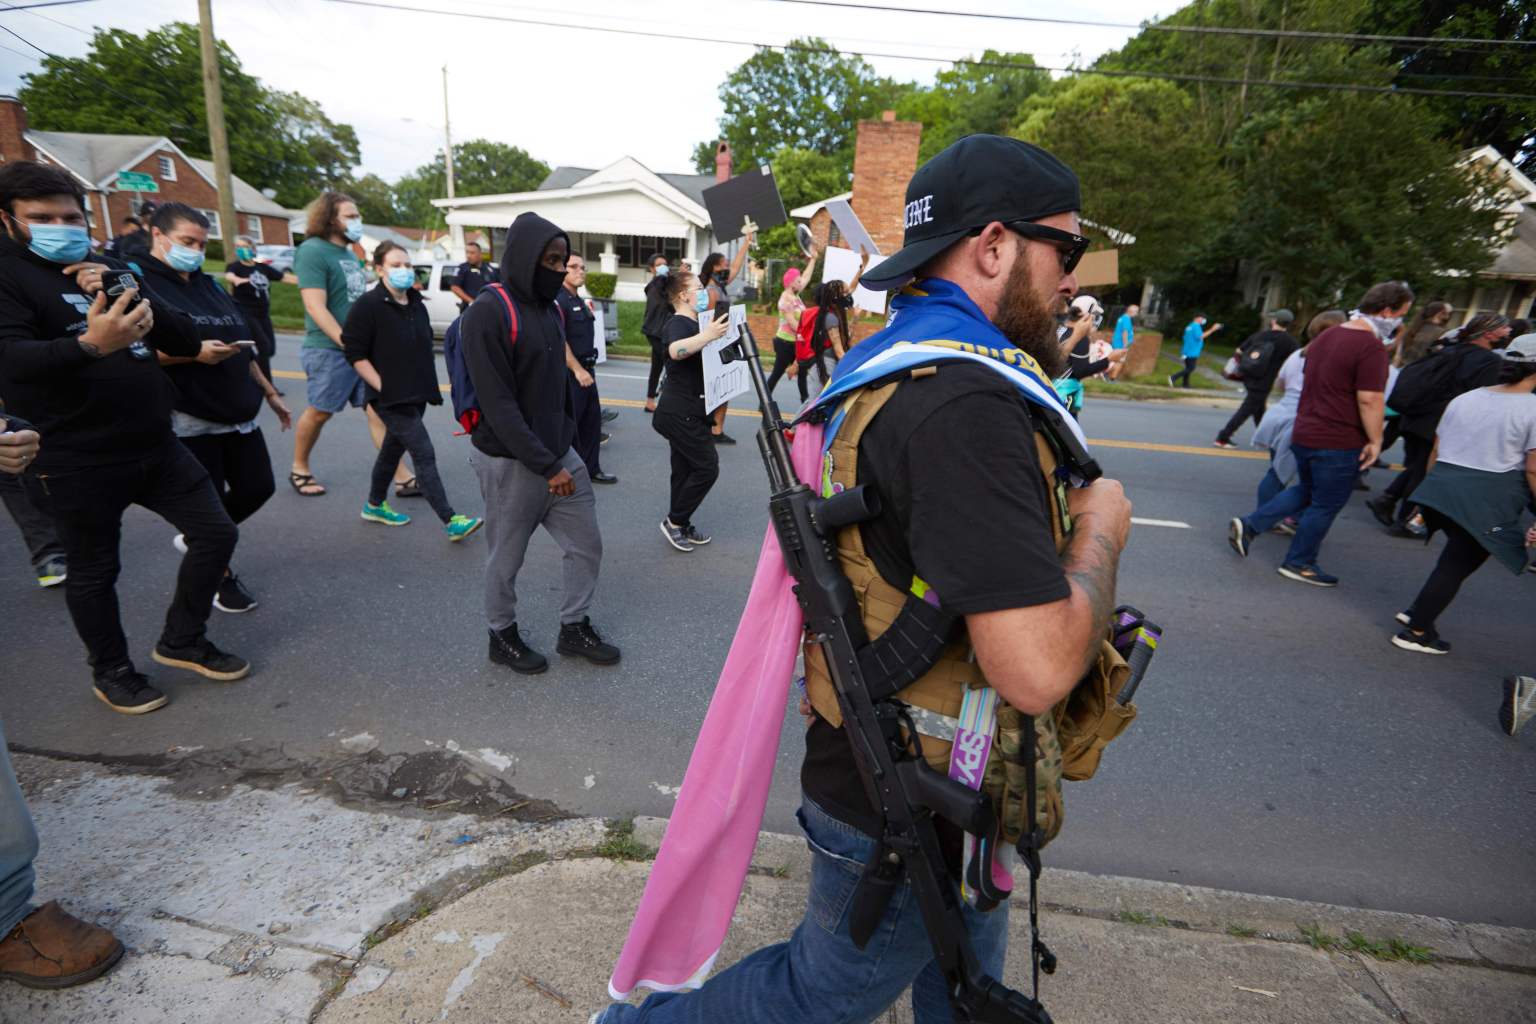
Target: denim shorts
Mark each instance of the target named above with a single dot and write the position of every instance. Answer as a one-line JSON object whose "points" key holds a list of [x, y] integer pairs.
{"points": [[331, 382]]}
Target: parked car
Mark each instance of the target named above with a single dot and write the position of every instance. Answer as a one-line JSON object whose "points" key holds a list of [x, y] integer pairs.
{"points": [[278, 257], [435, 280]]}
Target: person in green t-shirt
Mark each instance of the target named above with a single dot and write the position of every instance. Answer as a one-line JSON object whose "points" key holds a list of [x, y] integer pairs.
{"points": [[331, 279]]}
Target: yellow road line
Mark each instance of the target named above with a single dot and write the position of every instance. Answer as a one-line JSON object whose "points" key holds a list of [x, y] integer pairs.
{"points": [[1141, 446]]}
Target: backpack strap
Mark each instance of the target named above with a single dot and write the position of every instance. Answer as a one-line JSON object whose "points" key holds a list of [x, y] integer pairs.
{"points": [[506, 300]]}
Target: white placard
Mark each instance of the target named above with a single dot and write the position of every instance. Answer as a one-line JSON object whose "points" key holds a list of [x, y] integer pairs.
{"points": [[850, 227], [599, 338], [842, 265], [724, 381]]}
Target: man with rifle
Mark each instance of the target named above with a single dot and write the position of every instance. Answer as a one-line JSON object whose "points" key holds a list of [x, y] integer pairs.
{"points": [[959, 556]]}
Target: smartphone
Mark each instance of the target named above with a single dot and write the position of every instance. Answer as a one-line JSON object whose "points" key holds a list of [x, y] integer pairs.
{"points": [[247, 343]]}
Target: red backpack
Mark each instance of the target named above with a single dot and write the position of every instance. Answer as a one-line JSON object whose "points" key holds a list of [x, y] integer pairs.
{"points": [[805, 334]]}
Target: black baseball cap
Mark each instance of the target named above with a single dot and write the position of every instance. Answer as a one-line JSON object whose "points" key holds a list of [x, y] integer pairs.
{"points": [[968, 185]]}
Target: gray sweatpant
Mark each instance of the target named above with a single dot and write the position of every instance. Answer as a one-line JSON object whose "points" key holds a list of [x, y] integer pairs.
{"points": [[516, 501]]}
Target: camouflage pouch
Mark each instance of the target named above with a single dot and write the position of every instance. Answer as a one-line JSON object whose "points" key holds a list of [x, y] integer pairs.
{"points": [[1006, 781], [1090, 717]]}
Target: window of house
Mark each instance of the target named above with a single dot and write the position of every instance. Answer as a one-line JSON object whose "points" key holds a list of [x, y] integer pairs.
{"points": [[592, 249], [213, 223], [253, 228], [167, 169]]}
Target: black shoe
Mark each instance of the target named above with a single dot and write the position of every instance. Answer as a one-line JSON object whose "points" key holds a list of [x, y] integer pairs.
{"points": [[1384, 509], [604, 478], [609, 415], [724, 438], [581, 640], [507, 648], [695, 537], [1401, 530], [1427, 642], [232, 597], [1360, 484], [604, 438], [204, 659], [129, 693], [677, 536]]}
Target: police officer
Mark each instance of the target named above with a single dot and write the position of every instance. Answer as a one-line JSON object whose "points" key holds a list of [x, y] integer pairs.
{"points": [[973, 517], [473, 274], [581, 357]]}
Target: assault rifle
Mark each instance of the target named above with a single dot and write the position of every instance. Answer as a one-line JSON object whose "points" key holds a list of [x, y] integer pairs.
{"points": [[909, 794]]}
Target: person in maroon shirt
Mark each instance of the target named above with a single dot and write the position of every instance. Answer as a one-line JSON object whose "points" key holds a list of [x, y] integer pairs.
{"points": [[1337, 433]]}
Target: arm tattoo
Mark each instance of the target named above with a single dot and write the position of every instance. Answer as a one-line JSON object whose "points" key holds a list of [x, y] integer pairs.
{"points": [[1092, 567]]}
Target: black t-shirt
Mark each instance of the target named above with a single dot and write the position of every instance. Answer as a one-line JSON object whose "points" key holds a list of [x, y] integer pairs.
{"points": [[255, 292], [580, 327], [682, 392], [965, 507]]}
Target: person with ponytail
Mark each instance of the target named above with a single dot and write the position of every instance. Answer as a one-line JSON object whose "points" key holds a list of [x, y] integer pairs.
{"points": [[680, 415]]}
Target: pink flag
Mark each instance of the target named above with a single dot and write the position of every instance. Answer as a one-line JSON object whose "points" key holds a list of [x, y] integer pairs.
{"points": [[698, 874]]}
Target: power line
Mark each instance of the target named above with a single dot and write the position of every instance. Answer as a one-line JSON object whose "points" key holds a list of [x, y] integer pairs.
{"points": [[4, 7], [75, 64], [48, 3], [1009, 65], [1165, 27]]}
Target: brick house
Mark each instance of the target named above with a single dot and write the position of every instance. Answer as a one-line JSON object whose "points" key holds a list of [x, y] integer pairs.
{"points": [[95, 161]]}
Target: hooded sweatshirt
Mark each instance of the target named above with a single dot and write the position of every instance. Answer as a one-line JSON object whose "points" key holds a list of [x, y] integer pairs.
{"points": [[222, 393], [91, 411], [525, 405]]}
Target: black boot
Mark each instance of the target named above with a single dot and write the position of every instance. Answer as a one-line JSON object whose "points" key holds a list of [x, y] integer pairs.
{"points": [[581, 640], [1384, 508], [507, 648]]}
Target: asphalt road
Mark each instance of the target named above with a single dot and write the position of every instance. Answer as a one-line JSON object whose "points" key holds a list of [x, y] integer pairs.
{"points": [[1283, 747]]}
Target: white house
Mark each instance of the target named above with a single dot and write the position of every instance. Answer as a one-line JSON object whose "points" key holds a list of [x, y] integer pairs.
{"points": [[616, 216]]}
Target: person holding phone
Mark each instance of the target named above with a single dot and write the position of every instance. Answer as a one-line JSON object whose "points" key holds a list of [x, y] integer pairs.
{"points": [[680, 415], [219, 391], [252, 283]]}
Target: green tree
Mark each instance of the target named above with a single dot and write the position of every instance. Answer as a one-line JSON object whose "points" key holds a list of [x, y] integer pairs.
{"points": [[811, 98], [480, 168], [968, 99], [1145, 165], [152, 85], [375, 198], [1319, 209]]}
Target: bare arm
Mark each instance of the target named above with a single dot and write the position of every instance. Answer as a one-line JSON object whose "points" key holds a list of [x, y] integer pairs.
{"points": [[1035, 656], [1373, 412], [314, 306], [577, 370], [462, 294], [741, 257], [693, 346], [853, 285]]}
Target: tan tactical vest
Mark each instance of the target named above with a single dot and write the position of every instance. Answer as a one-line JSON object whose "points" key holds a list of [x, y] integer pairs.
{"points": [[1069, 740]]}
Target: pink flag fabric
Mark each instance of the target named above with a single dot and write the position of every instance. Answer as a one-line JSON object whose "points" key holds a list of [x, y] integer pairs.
{"points": [[698, 873]]}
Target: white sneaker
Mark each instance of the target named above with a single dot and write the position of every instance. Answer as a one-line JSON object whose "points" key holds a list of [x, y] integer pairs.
{"points": [[1519, 703], [179, 542]]}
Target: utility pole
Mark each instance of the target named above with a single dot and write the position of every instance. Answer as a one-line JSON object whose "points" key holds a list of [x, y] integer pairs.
{"points": [[455, 231], [218, 141]]}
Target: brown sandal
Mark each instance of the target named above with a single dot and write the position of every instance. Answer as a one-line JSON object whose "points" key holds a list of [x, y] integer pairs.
{"points": [[299, 481]]}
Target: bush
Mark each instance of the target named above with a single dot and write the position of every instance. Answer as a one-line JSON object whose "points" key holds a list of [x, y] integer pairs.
{"points": [[215, 250], [601, 285]]}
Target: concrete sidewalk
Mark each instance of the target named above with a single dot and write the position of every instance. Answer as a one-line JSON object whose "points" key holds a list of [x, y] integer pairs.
{"points": [[277, 904]]}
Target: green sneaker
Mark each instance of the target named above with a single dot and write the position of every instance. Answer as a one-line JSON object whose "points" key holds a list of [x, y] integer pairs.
{"points": [[460, 527], [382, 513]]}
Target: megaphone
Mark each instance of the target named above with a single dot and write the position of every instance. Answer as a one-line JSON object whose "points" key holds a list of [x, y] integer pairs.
{"points": [[803, 236]]}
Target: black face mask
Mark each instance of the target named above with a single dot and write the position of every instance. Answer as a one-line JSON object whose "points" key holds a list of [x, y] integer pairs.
{"points": [[547, 283], [722, 278]]}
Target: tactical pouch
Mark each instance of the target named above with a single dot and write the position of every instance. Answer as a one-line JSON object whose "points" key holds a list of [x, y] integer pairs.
{"points": [[1090, 717]]}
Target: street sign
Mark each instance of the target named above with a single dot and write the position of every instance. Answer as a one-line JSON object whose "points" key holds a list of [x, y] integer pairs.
{"points": [[133, 181]]}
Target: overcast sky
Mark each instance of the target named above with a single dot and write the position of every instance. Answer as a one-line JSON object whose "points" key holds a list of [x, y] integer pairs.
{"points": [[566, 95]]}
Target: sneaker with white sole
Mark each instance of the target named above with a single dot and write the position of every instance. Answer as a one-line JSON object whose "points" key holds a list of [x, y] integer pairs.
{"points": [[1519, 703], [695, 537], [676, 536], [179, 542], [52, 572], [1427, 642], [382, 513], [1308, 574], [232, 597], [1404, 617], [1224, 444], [1239, 536], [460, 527]]}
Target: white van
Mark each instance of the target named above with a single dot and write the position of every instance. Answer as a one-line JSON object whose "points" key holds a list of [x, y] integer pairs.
{"points": [[435, 280]]}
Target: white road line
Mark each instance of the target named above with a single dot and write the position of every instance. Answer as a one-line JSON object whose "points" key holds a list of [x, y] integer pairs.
{"points": [[1172, 524], [622, 376]]}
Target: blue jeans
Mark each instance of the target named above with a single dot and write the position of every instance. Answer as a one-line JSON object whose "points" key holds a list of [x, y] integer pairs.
{"points": [[818, 976], [18, 848], [1270, 485], [1325, 480]]}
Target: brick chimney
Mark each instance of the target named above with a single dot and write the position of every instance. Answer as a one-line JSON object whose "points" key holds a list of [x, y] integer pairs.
{"points": [[722, 161], [13, 126], [884, 157]]}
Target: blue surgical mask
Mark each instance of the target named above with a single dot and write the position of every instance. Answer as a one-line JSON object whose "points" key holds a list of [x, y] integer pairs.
{"points": [[702, 302], [184, 259], [352, 228], [400, 277], [243, 253], [661, 271], [59, 243]]}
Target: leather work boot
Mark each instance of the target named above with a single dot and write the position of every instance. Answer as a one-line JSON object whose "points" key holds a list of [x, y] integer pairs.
{"points": [[507, 648], [52, 949]]}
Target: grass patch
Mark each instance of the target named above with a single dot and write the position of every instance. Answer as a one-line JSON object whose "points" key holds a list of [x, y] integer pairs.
{"points": [[1391, 949], [1241, 931], [1142, 918], [621, 844], [1166, 366]]}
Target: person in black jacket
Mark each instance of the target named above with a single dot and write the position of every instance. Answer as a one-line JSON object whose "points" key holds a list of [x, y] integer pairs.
{"points": [[1273, 346], [219, 391], [529, 473], [252, 283], [657, 312], [581, 360], [77, 358], [388, 341]]}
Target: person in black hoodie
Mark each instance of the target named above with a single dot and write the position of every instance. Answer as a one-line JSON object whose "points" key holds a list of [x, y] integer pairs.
{"points": [[77, 359], [529, 473], [657, 312], [219, 391]]}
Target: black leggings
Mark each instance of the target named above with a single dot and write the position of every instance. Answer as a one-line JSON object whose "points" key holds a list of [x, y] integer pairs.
{"points": [[783, 359], [260, 323], [240, 468], [802, 376], [406, 433], [1463, 556], [1253, 405], [1416, 452], [695, 462], [658, 362]]}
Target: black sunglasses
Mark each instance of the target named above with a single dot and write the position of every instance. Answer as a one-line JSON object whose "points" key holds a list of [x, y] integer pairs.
{"points": [[1072, 247]]}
